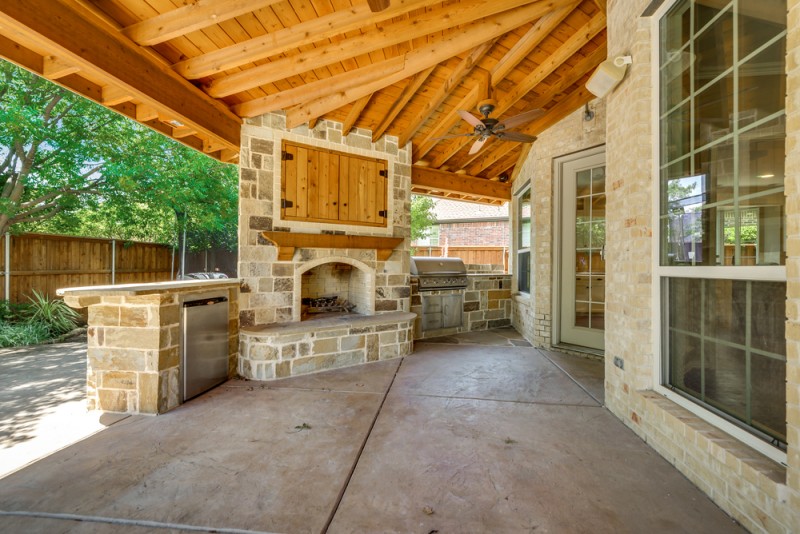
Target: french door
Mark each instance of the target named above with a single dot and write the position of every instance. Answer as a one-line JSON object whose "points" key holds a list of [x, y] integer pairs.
{"points": [[583, 239]]}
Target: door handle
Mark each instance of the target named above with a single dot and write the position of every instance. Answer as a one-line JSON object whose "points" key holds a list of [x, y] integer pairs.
{"points": [[603, 252]]}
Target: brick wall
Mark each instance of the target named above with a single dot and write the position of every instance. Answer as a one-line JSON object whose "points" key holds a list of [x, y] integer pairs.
{"points": [[756, 491], [475, 234]]}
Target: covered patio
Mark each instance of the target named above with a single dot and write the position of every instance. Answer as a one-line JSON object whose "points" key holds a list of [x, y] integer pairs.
{"points": [[336, 112], [472, 433]]}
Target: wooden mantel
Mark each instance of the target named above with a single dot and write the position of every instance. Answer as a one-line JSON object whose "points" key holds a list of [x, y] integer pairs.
{"points": [[287, 242]]}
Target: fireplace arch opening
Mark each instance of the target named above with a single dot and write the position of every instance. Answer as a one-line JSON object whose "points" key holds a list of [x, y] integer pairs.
{"points": [[333, 286]]}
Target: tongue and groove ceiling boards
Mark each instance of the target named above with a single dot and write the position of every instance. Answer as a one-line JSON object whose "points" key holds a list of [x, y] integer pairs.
{"points": [[194, 69]]}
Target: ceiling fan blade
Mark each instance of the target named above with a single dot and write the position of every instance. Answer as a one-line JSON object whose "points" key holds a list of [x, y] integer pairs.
{"points": [[516, 136], [522, 118], [478, 145], [453, 136], [470, 118]]}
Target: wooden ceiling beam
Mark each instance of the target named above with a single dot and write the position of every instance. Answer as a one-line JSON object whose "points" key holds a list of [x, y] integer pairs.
{"points": [[408, 92], [427, 23], [575, 100], [455, 79], [525, 46], [189, 18], [573, 76], [76, 35], [339, 83], [568, 49], [444, 125], [54, 68], [113, 95], [423, 178], [438, 49], [354, 114], [297, 36]]}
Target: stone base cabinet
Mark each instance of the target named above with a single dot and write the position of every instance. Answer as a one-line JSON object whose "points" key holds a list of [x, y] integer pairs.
{"points": [[134, 341]]}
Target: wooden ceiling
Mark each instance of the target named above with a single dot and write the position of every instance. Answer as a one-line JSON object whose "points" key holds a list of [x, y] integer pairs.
{"points": [[193, 69]]}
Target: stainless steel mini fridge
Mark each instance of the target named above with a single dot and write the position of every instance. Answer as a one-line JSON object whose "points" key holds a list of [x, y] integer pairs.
{"points": [[205, 345]]}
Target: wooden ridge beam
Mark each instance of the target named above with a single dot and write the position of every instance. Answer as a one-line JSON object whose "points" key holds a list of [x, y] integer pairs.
{"points": [[71, 32], [408, 92], [525, 46], [568, 49], [423, 178], [189, 18], [455, 79], [297, 36], [438, 49], [575, 100], [383, 36]]}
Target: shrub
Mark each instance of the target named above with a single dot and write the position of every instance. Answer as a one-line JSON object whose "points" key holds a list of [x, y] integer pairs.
{"points": [[18, 334], [54, 314]]}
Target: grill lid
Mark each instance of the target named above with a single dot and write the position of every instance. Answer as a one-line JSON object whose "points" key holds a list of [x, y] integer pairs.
{"points": [[432, 266]]}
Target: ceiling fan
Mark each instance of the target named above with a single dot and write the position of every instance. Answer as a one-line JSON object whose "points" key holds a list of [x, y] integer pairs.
{"points": [[488, 127]]}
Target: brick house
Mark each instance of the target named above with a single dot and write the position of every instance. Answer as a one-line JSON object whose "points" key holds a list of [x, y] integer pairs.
{"points": [[468, 224]]}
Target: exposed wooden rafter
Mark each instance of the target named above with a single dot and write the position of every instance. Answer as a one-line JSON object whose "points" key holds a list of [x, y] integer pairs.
{"points": [[433, 101], [189, 18], [297, 36], [570, 47], [433, 180], [194, 69], [429, 22], [123, 62], [437, 50]]}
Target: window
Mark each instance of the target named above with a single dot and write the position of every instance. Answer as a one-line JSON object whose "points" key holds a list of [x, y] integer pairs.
{"points": [[431, 239], [722, 219], [524, 241]]}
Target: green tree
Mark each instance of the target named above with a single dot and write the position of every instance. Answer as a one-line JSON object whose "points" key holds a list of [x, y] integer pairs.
{"points": [[422, 216], [53, 147], [72, 166]]}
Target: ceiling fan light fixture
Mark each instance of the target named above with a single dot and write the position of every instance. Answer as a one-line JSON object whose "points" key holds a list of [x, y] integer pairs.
{"points": [[608, 75]]}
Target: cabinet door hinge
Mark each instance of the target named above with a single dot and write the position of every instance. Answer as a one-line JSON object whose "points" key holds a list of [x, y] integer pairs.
{"points": [[286, 203], [382, 213], [383, 173], [286, 156]]}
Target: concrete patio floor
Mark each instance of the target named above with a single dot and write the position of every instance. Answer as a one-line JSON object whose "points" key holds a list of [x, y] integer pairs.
{"points": [[477, 433]]}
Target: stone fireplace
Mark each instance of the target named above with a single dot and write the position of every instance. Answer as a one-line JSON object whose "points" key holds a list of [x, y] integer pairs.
{"points": [[286, 254], [348, 281]]}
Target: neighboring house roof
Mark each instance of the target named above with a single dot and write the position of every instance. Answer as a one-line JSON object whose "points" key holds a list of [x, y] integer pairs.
{"points": [[448, 211]]}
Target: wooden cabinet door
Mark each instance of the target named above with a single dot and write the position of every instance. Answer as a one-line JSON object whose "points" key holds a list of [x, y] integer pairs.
{"points": [[332, 187]]}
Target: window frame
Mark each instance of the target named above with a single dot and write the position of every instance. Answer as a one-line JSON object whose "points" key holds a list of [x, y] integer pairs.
{"points": [[663, 272], [518, 249]]}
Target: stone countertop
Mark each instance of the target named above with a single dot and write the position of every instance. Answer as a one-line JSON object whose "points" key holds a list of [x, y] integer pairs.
{"points": [[341, 321], [478, 275], [128, 290]]}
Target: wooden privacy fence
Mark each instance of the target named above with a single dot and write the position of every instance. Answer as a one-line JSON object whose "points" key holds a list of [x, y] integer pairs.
{"points": [[470, 255], [47, 262]]}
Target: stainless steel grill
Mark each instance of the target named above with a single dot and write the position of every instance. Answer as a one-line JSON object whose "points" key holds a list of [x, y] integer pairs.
{"points": [[439, 273]]}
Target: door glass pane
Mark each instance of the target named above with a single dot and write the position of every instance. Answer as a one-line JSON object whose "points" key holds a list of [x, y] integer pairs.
{"points": [[590, 240]]}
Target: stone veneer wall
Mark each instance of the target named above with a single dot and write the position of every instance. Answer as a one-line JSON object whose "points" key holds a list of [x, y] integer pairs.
{"points": [[134, 353], [762, 495], [278, 351], [487, 304], [268, 286], [532, 314]]}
